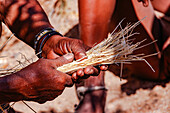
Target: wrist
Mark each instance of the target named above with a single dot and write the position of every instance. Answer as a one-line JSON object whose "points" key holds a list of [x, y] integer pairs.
{"points": [[42, 37], [9, 89]]}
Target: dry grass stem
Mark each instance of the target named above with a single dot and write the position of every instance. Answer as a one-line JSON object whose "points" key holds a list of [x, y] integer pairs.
{"points": [[117, 48], [23, 62]]}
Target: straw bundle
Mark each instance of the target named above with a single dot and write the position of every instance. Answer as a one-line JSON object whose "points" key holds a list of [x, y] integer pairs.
{"points": [[117, 48]]}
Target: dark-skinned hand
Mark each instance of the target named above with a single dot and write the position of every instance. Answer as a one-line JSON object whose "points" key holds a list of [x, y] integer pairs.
{"points": [[57, 46], [40, 81]]}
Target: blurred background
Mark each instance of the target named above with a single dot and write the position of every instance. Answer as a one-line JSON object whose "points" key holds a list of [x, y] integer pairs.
{"points": [[125, 96]]}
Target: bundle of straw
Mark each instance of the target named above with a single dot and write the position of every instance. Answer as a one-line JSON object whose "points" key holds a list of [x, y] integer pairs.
{"points": [[117, 48]]}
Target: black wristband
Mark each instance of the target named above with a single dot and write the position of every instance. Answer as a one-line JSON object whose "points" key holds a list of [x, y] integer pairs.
{"points": [[44, 41], [40, 35]]}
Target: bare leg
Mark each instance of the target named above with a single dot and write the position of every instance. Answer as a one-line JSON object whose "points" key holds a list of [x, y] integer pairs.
{"points": [[93, 101], [150, 29], [94, 22]]}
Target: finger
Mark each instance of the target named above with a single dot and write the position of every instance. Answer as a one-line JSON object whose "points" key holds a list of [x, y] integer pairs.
{"points": [[65, 79], [80, 73], [90, 70], [80, 54], [87, 47], [103, 67], [74, 77], [64, 59], [77, 76], [78, 49]]}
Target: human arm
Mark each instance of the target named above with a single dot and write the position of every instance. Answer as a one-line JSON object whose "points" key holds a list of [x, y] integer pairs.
{"points": [[38, 82], [26, 19]]}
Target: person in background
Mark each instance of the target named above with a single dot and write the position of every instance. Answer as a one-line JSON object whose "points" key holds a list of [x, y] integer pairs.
{"points": [[99, 17], [40, 81]]}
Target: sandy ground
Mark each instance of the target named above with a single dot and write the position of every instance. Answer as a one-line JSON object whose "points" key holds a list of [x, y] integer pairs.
{"points": [[127, 96]]}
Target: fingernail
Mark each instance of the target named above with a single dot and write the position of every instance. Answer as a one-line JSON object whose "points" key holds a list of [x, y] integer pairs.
{"points": [[82, 54], [69, 56], [90, 71]]}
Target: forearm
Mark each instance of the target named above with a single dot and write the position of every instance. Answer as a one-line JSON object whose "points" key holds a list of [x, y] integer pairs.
{"points": [[8, 89], [25, 18], [94, 19]]}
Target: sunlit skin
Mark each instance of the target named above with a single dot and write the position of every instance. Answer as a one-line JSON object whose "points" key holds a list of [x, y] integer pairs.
{"points": [[39, 81], [99, 17]]}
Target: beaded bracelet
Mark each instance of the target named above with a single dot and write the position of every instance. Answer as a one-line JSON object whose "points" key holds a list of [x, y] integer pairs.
{"points": [[42, 37]]}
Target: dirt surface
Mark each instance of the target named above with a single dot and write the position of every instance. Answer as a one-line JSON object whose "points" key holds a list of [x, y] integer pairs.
{"points": [[126, 96]]}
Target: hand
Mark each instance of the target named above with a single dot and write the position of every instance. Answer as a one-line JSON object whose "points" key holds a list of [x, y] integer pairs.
{"points": [[57, 46], [145, 2], [41, 81]]}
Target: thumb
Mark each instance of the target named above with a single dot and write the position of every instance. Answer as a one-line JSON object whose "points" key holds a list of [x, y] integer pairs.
{"points": [[67, 58]]}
